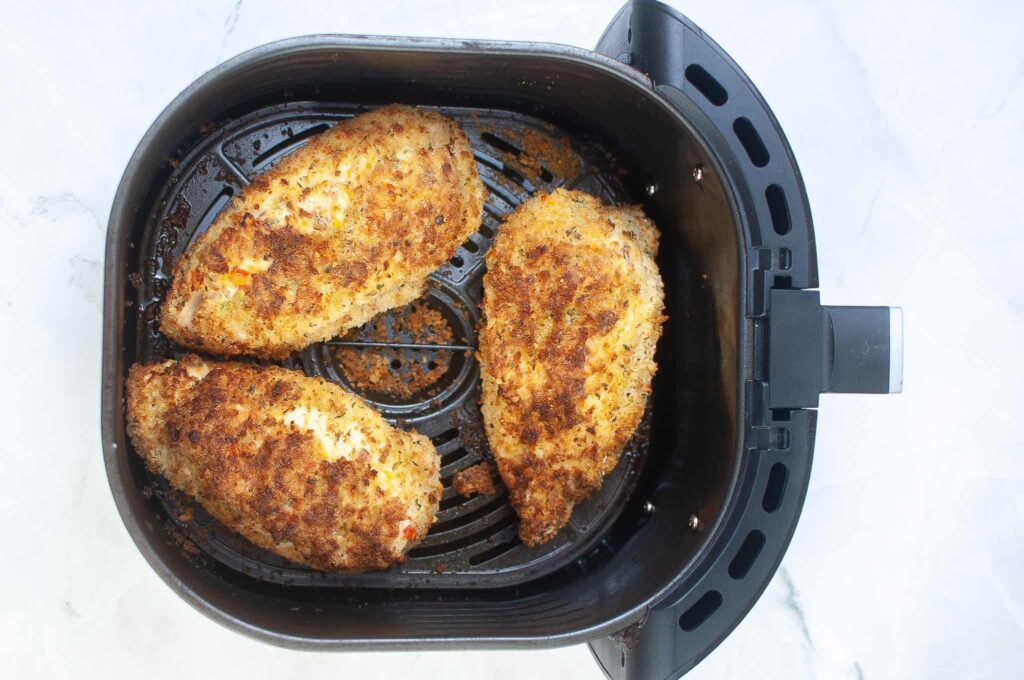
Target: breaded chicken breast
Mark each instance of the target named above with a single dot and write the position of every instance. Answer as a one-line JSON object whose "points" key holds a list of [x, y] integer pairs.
{"points": [[572, 313], [348, 226], [297, 465]]}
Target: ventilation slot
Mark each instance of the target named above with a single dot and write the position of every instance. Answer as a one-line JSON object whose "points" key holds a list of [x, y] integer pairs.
{"points": [[458, 544], [457, 454], [468, 518], [223, 198], [451, 502], [444, 437], [747, 555], [500, 144], [457, 261], [486, 231], [471, 246], [778, 208], [751, 142], [701, 610], [776, 487], [706, 85], [286, 146], [493, 553]]}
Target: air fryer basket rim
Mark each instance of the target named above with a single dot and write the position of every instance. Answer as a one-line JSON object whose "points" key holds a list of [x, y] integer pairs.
{"points": [[114, 284]]}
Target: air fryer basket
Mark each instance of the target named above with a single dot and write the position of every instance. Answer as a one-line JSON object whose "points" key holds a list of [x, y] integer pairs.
{"points": [[474, 542], [661, 564]]}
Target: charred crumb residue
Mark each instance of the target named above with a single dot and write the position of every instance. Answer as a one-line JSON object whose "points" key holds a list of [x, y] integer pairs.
{"points": [[470, 425], [183, 542], [174, 224], [224, 176], [398, 372]]}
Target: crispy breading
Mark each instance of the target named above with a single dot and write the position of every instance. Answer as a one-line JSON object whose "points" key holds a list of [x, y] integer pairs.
{"points": [[297, 465], [572, 313], [348, 226]]}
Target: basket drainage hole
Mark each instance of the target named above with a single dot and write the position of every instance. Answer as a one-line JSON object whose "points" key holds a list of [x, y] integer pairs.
{"points": [[747, 554], [700, 611], [396, 364], [486, 231], [457, 261], [776, 487], [471, 247], [706, 84]]}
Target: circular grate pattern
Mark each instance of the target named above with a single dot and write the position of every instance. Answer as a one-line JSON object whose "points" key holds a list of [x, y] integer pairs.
{"points": [[416, 365], [411, 362]]}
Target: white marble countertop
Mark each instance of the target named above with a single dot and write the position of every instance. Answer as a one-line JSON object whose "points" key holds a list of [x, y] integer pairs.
{"points": [[906, 118]]}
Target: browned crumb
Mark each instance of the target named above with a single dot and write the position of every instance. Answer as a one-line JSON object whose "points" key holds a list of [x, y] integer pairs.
{"points": [[537, 152], [554, 154], [476, 479], [183, 542], [395, 372]]}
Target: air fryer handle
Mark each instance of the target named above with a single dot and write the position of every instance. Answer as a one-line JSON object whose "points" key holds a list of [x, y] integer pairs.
{"points": [[864, 350], [814, 348]]}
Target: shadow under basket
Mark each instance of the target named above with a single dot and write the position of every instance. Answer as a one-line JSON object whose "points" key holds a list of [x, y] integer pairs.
{"points": [[660, 564]]}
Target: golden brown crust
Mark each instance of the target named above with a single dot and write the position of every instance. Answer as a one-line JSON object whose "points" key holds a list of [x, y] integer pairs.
{"points": [[476, 479], [297, 465], [572, 314], [346, 227]]}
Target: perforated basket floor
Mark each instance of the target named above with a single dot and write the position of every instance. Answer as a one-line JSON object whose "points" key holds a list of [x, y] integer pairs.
{"points": [[474, 540]]}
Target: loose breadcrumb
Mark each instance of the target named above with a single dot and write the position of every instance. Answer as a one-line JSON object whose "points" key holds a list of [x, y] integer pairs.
{"points": [[476, 479]]}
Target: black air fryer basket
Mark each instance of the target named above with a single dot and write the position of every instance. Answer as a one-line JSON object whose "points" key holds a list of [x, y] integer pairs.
{"points": [[661, 564]]}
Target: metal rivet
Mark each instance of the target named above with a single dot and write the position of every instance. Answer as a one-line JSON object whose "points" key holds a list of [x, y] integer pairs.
{"points": [[648, 507], [698, 173], [694, 522], [651, 189]]}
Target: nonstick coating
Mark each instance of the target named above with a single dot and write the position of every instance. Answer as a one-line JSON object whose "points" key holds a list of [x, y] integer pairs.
{"points": [[474, 541]]}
